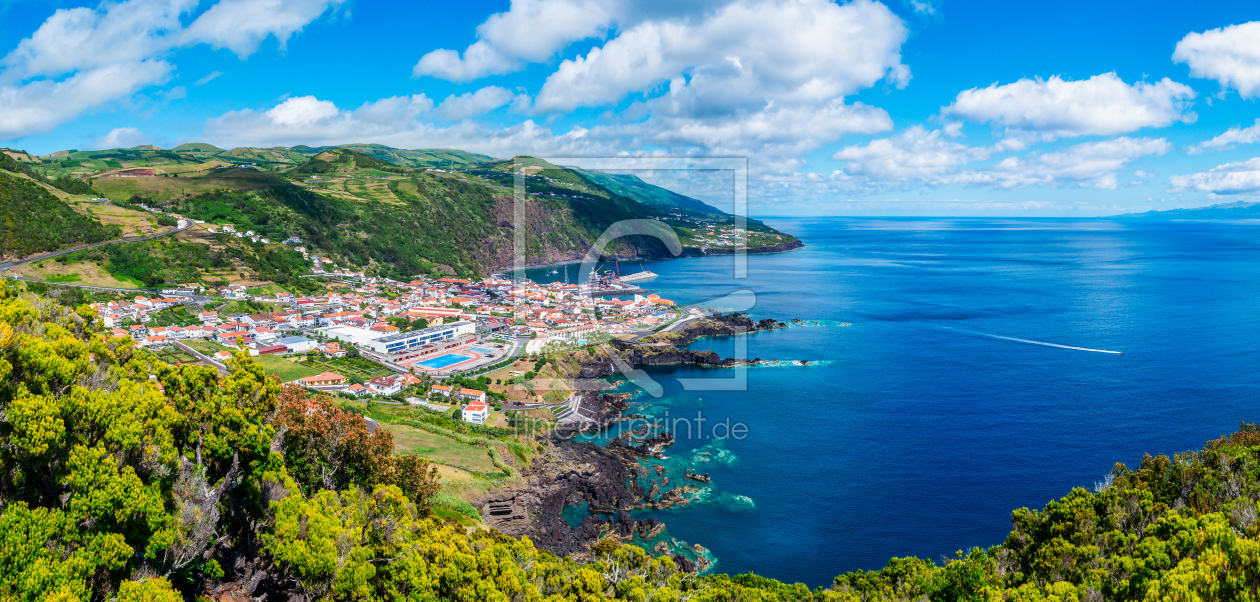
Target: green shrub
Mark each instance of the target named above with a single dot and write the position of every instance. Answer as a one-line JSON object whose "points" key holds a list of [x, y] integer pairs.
{"points": [[444, 499]]}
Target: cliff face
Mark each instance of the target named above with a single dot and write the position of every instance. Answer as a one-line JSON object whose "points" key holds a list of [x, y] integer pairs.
{"points": [[601, 365]]}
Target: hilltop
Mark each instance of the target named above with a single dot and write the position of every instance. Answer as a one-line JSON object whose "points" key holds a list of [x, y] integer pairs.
{"points": [[384, 211]]}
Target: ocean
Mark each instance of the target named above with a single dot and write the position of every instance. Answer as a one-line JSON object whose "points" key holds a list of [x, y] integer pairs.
{"points": [[970, 381]]}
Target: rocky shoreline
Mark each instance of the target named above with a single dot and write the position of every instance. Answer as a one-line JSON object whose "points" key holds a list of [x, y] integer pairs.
{"points": [[605, 479], [610, 480], [670, 349]]}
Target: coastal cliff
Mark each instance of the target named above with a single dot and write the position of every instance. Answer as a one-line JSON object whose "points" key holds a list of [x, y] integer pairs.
{"points": [[782, 247], [639, 251], [667, 348], [609, 480]]}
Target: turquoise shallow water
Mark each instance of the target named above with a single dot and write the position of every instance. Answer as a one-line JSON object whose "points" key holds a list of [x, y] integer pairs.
{"points": [[938, 410]]}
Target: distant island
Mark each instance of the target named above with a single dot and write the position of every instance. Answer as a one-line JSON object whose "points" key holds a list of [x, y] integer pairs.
{"points": [[1234, 210]]}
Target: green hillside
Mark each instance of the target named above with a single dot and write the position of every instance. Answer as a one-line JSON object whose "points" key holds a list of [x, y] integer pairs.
{"points": [[411, 224], [436, 158], [341, 160], [87, 163], [33, 220], [188, 182], [390, 212], [632, 186]]}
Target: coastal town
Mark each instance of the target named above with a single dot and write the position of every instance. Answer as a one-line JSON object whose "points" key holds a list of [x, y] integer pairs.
{"points": [[379, 338]]}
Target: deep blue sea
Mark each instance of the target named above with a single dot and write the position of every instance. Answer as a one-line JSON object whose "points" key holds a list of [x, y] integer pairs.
{"points": [[919, 429]]}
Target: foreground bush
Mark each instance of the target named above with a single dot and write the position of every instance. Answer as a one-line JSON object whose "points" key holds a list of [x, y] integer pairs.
{"points": [[127, 479]]}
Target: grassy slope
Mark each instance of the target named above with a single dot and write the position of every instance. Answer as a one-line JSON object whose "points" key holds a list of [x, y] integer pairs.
{"points": [[443, 450], [190, 182], [435, 158], [634, 187], [133, 222], [34, 220], [79, 272]]}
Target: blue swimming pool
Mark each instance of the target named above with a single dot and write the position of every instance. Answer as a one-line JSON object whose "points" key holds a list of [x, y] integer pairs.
{"points": [[443, 361], [482, 350]]}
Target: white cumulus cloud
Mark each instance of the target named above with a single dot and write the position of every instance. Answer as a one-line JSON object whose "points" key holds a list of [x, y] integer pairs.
{"points": [[1102, 105], [82, 39], [530, 31], [916, 154], [302, 110], [42, 105], [928, 157], [1229, 55], [759, 78], [1230, 178], [775, 136], [470, 104], [122, 138], [80, 58], [1230, 139], [241, 25], [1092, 164], [753, 52]]}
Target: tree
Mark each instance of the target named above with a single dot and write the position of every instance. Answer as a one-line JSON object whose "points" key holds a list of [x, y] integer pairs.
{"points": [[328, 448], [416, 478]]}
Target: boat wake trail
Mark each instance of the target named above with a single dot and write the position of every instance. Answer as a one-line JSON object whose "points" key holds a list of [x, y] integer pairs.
{"points": [[1031, 342]]}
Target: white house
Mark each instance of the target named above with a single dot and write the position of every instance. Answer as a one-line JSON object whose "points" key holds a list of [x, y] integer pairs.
{"points": [[476, 412], [444, 390], [475, 395], [385, 385]]}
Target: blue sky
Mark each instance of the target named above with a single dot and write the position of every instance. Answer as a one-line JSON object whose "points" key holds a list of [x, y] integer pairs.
{"points": [[910, 107]]}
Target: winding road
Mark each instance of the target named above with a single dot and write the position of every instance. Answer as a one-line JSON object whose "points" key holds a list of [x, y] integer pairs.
{"points": [[8, 265], [201, 356]]}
